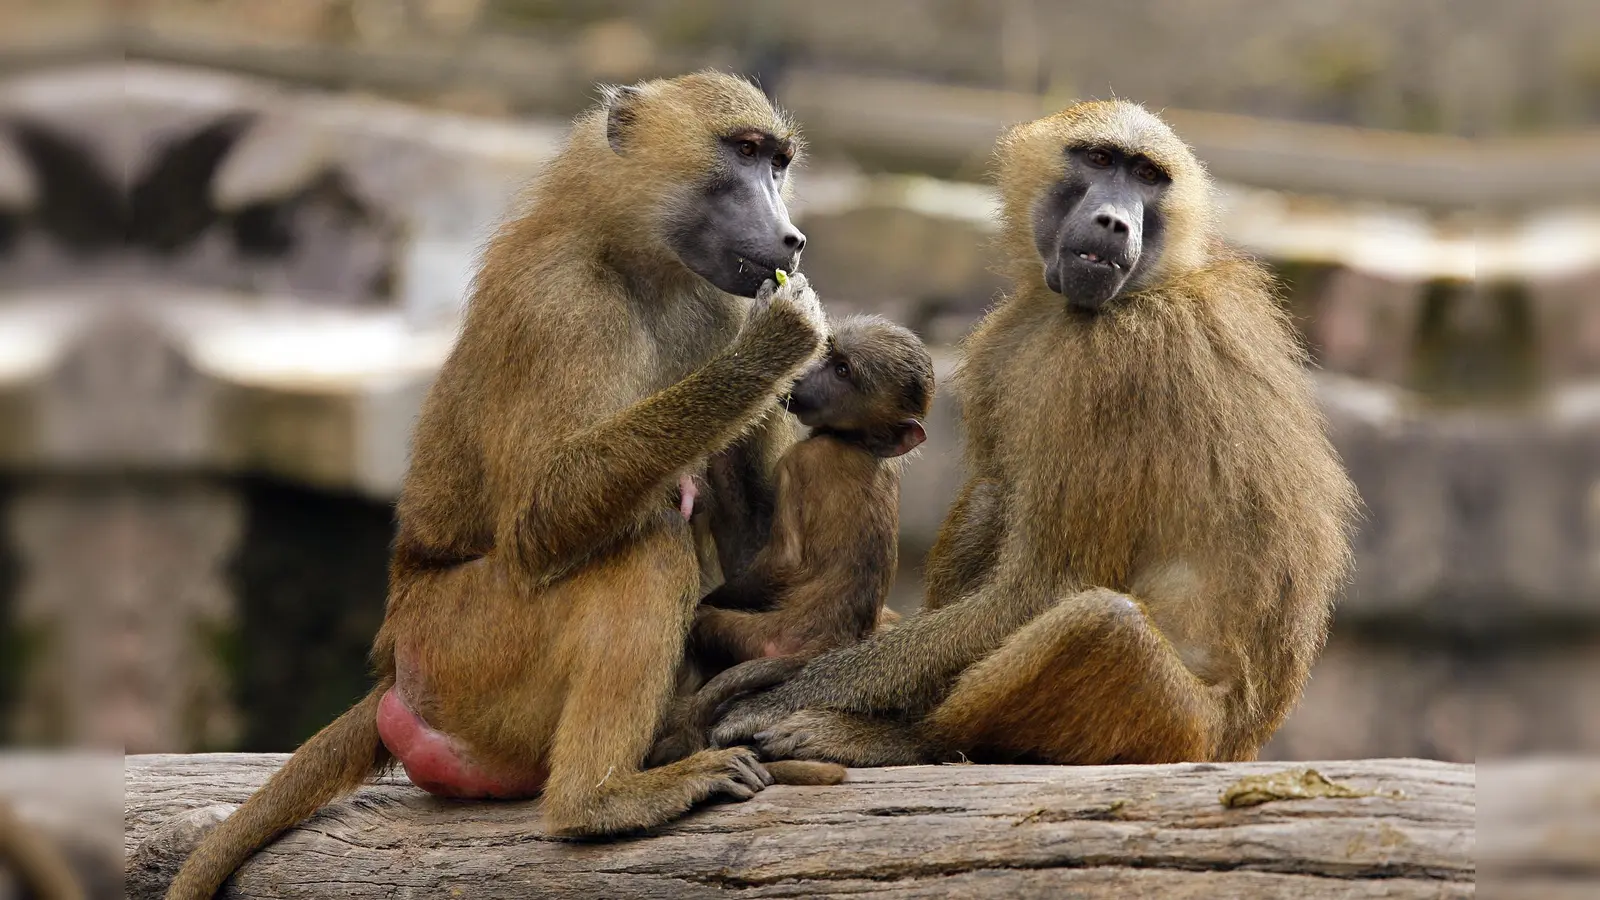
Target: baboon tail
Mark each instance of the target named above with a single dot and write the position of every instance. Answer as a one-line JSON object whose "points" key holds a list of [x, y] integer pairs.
{"points": [[335, 761]]}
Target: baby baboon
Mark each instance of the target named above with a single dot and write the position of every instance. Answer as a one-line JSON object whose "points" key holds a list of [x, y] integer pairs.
{"points": [[544, 577], [821, 580], [1142, 565]]}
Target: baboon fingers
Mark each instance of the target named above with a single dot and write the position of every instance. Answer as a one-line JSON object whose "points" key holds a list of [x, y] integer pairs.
{"points": [[746, 718], [826, 735]]}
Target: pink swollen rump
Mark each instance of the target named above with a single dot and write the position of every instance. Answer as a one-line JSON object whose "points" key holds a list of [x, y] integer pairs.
{"points": [[440, 764]]}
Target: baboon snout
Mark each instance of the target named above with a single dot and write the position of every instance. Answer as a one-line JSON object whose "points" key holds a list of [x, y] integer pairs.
{"points": [[1109, 235], [1112, 219], [783, 248]]}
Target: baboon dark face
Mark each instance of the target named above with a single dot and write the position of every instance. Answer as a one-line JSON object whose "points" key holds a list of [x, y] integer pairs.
{"points": [[876, 380], [736, 231], [827, 396], [1100, 227]]}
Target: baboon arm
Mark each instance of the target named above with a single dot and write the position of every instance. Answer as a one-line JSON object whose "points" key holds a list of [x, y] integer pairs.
{"points": [[748, 592], [726, 637], [905, 670], [968, 543], [588, 488]]}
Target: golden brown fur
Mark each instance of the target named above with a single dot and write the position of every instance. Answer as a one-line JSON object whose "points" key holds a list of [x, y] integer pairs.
{"points": [[822, 579], [543, 581], [1142, 565]]}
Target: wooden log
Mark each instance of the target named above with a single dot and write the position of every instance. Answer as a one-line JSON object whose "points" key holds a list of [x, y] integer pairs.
{"points": [[1540, 825], [1373, 828]]}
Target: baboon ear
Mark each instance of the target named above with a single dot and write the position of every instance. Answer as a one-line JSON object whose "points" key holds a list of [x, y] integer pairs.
{"points": [[903, 438], [620, 103]]}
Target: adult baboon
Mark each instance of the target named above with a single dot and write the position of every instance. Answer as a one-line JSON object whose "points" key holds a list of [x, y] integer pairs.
{"points": [[543, 578], [1142, 565]]}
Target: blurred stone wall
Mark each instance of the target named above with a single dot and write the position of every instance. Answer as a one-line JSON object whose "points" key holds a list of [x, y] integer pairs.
{"points": [[1461, 66], [200, 481]]}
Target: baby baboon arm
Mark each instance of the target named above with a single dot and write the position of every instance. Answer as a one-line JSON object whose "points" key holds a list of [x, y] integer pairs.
{"points": [[743, 491], [967, 546], [588, 488], [761, 584], [748, 592], [905, 670], [723, 637]]}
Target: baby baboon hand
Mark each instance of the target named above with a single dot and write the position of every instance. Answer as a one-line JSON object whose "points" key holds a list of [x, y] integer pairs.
{"points": [[795, 294]]}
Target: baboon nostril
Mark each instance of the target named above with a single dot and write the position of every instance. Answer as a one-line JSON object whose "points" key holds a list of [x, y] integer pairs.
{"points": [[795, 241], [1115, 223]]}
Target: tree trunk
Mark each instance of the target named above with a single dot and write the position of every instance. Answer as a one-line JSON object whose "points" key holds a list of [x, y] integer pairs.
{"points": [[1369, 828]]}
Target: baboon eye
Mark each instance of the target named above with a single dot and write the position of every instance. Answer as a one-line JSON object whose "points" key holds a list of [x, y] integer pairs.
{"points": [[780, 160], [842, 369], [748, 149], [1099, 157], [1146, 172]]}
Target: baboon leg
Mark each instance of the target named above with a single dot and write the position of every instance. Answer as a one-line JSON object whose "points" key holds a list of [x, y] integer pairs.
{"points": [[1091, 681], [624, 646]]}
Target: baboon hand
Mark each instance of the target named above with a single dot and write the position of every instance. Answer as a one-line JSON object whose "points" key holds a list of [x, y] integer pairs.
{"points": [[828, 736], [801, 735], [750, 716], [795, 294], [743, 775]]}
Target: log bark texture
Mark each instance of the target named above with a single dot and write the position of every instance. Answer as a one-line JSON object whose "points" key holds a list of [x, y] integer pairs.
{"points": [[914, 832]]}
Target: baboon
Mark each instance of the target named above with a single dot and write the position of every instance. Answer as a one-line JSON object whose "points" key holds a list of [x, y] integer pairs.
{"points": [[822, 579], [544, 576], [1142, 565]]}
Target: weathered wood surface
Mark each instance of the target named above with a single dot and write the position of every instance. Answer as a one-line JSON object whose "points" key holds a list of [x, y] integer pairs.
{"points": [[925, 831], [1540, 829]]}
